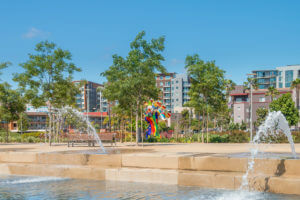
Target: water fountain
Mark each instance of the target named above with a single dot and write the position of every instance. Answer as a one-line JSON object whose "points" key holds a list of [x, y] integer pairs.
{"points": [[89, 129], [274, 124]]}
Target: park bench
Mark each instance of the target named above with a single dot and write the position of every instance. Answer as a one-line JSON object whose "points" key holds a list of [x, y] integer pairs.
{"points": [[85, 138]]}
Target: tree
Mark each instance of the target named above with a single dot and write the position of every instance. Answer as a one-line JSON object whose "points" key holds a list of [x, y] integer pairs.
{"points": [[286, 105], [131, 80], [4, 65], [247, 84], [261, 116], [272, 92], [207, 86], [23, 122], [184, 122], [47, 77], [296, 86], [11, 105]]}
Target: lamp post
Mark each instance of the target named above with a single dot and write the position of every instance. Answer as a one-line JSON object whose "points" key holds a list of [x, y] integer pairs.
{"points": [[251, 104]]}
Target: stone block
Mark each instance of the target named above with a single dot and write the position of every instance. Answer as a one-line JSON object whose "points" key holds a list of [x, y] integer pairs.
{"points": [[108, 160], [142, 175], [208, 163], [150, 161], [18, 157]]}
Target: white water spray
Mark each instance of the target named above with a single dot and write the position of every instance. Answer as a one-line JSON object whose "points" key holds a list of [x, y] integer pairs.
{"points": [[273, 125], [91, 131]]}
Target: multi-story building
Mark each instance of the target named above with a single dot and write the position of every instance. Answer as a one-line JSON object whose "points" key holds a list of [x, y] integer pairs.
{"points": [[286, 75], [240, 102], [265, 78], [90, 98], [180, 88], [174, 89], [163, 82]]}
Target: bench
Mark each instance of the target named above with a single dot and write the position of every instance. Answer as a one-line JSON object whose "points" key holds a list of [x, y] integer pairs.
{"points": [[85, 138]]}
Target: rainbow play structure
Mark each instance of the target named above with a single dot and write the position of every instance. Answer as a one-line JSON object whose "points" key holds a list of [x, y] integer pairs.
{"points": [[153, 111]]}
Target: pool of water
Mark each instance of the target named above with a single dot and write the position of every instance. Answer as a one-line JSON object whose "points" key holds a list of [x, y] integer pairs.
{"points": [[36, 188]]}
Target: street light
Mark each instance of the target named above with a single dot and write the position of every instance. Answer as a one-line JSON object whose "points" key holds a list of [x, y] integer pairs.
{"points": [[251, 112]]}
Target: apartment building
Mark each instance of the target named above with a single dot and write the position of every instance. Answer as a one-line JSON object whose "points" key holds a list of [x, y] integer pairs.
{"points": [[265, 78], [240, 102], [174, 90], [286, 75], [90, 98], [164, 83]]}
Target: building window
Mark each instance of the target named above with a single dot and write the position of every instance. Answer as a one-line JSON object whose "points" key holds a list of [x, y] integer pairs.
{"points": [[161, 77], [172, 88], [176, 81], [167, 77], [161, 83], [176, 88], [288, 78], [280, 85], [262, 99], [176, 99]]}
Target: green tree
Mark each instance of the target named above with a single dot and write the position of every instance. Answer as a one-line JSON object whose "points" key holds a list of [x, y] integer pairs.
{"points": [[272, 92], [11, 105], [207, 86], [296, 86], [23, 122], [250, 80], [185, 120], [3, 66], [47, 77], [131, 80], [261, 116], [286, 105]]}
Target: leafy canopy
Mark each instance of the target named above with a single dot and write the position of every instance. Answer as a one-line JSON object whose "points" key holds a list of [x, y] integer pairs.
{"points": [[286, 105], [47, 75], [131, 80]]}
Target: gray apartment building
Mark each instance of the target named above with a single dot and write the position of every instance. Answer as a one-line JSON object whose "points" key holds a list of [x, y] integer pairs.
{"points": [[174, 89]]}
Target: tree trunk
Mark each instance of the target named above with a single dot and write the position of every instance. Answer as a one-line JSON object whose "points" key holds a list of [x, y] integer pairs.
{"points": [[142, 125], [7, 131], [136, 123], [199, 127], [202, 135], [50, 124], [131, 125], [207, 128]]}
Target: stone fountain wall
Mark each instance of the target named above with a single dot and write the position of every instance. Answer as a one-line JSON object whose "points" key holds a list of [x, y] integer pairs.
{"points": [[270, 175]]}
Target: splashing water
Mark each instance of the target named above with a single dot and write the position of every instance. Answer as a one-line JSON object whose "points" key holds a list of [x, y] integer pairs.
{"points": [[273, 125], [91, 131]]}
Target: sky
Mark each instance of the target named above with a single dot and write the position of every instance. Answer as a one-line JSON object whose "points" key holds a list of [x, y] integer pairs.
{"points": [[240, 36]]}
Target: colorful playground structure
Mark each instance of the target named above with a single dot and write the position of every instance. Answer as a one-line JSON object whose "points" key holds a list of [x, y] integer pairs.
{"points": [[153, 111]]}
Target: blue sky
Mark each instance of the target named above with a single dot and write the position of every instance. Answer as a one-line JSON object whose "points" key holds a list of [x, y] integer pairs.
{"points": [[239, 35]]}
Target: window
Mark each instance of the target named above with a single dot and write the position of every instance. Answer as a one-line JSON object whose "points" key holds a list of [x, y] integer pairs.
{"points": [[262, 99], [239, 108], [288, 78], [167, 77], [176, 81], [280, 85], [161, 83], [172, 88], [161, 77], [176, 88], [176, 99]]}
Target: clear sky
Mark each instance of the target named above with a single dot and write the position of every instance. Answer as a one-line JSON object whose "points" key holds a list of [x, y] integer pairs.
{"points": [[239, 35]]}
